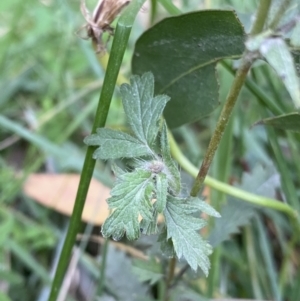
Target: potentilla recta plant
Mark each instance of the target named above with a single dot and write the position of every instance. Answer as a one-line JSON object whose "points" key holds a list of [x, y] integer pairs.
{"points": [[150, 184]]}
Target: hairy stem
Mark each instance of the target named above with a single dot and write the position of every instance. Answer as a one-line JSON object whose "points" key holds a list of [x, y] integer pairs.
{"points": [[247, 60], [222, 122]]}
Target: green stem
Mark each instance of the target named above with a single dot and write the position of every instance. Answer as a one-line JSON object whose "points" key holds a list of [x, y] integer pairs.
{"points": [[238, 82], [161, 290], [171, 273], [170, 7], [260, 94], [102, 269], [153, 11], [262, 14], [117, 52], [236, 192], [222, 122]]}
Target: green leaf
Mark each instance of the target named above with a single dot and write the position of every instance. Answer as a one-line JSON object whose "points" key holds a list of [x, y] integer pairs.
{"points": [[149, 227], [166, 244], [115, 144], [130, 197], [181, 228], [142, 109], [147, 270], [173, 173], [277, 54], [161, 192], [290, 122], [182, 53]]}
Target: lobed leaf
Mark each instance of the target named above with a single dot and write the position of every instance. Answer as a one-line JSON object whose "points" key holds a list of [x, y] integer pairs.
{"points": [[116, 144], [149, 227], [130, 197], [142, 109], [181, 228]]}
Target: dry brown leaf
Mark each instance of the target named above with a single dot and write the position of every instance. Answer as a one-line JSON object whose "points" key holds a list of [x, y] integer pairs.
{"points": [[58, 191]]}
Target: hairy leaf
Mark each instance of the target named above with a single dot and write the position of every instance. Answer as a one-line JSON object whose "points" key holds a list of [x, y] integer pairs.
{"points": [[149, 227], [173, 173], [166, 244], [115, 144], [130, 197], [181, 228], [142, 109]]}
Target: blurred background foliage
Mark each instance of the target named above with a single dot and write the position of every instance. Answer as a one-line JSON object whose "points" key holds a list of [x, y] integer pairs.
{"points": [[50, 83]]}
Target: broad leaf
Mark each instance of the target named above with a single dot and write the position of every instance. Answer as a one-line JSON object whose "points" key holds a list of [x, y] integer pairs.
{"points": [[115, 144], [130, 197], [173, 171], [277, 54], [142, 109], [182, 53], [181, 228], [290, 122]]}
